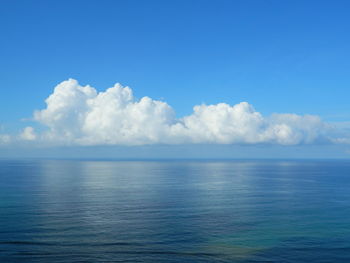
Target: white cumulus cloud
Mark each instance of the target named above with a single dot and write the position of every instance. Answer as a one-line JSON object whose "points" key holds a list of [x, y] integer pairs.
{"points": [[80, 115]]}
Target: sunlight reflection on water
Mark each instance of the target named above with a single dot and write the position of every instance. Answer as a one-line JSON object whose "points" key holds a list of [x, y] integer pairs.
{"points": [[175, 211]]}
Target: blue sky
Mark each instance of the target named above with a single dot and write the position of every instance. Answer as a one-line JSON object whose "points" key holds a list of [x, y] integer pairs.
{"points": [[280, 56]]}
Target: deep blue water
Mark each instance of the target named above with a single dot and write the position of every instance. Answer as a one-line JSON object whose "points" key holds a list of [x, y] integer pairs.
{"points": [[174, 211]]}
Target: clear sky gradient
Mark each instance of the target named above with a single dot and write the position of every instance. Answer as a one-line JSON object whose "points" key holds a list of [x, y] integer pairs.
{"points": [[280, 56]]}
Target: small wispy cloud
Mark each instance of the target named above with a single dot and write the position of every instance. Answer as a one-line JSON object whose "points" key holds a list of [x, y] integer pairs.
{"points": [[5, 139], [28, 134]]}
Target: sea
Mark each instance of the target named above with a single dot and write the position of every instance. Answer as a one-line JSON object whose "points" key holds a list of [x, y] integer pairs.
{"points": [[174, 211]]}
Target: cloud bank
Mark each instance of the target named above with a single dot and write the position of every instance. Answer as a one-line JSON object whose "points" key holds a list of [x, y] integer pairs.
{"points": [[79, 115]]}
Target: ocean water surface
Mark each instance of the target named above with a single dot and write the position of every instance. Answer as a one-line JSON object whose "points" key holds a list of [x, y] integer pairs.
{"points": [[174, 211]]}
